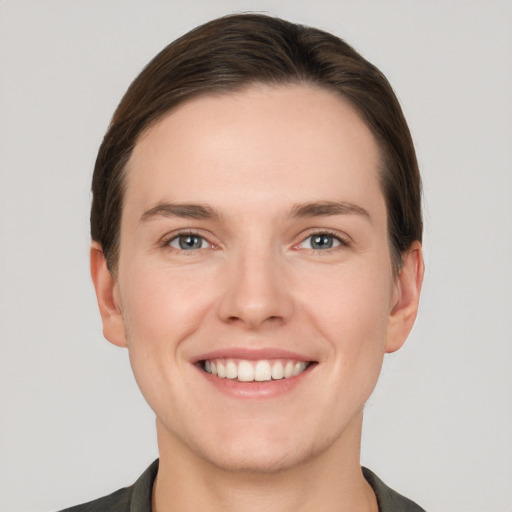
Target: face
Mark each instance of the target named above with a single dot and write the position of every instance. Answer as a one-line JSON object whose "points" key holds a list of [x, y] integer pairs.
{"points": [[254, 289]]}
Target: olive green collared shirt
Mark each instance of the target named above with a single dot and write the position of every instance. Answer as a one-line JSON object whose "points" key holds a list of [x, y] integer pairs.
{"points": [[137, 498]]}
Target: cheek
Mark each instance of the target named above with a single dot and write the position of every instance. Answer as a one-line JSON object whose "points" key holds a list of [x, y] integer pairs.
{"points": [[157, 319], [159, 304], [157, 316], [352, 310]]}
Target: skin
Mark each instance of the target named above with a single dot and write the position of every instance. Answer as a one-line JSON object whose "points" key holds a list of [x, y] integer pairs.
{"points": [[256, 283]]}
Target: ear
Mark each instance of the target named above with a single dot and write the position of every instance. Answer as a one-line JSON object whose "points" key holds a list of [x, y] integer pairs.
{"points": [[107, 295], [406, 298]]}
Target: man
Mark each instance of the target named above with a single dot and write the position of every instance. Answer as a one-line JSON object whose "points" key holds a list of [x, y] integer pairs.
{"points": [[256, 228]]}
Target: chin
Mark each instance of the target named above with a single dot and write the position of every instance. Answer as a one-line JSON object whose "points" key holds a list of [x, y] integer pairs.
{"points": [[253, 460], [265, 446], [263, 452]]}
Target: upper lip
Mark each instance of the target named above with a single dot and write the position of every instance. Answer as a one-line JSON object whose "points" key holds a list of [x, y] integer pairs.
{"points": [[251, 354]]}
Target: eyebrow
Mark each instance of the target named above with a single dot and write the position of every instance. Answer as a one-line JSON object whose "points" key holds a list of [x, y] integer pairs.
{"points": [[325, 208], [182, 210], [303, 210]]}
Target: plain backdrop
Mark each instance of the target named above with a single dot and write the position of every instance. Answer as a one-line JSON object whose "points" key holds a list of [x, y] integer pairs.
{"points": [[73, 425]]}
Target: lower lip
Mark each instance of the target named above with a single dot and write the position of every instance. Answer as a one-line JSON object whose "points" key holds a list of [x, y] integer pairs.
{"points": [[256, 390]]}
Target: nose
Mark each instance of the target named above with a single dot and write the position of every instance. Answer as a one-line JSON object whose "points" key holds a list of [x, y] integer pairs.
{"points": [[256, 291]]}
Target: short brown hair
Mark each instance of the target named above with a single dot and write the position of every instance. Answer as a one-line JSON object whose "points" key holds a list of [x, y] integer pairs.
{"points": [[233, 52]]}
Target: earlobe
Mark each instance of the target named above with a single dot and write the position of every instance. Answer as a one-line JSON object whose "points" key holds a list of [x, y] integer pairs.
{"points": [[405, 308], [106, 289]]}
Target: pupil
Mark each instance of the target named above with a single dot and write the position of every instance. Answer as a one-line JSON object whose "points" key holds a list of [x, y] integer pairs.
{"points": [[190, 242], [322, 242]]}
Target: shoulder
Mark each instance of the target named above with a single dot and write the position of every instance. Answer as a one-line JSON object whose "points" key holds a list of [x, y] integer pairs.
{"points": [[118, 501], [388, 499], [136, 497]]}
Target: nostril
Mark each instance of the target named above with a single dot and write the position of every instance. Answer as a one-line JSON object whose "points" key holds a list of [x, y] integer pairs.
{"points": [[254, 321]]}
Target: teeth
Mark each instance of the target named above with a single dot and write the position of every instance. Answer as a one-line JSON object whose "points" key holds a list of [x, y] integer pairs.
{"points": [[288, 369], [262, 371], [245, 371], [231, 370], [259, 371], [277, 370], [221, 370], [298, 368]]}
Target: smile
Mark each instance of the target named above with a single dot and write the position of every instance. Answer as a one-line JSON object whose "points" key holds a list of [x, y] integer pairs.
{"points": [[244, 370]]}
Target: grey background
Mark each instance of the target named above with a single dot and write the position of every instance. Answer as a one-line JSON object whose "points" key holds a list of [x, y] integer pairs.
{"points": [[73, 425]]}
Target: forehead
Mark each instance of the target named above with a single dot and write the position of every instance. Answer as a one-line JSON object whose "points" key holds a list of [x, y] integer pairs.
{"points": [[298, 142]]}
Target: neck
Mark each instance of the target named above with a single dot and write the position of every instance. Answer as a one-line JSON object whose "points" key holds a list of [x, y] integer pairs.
{"points": [[328, 481]]}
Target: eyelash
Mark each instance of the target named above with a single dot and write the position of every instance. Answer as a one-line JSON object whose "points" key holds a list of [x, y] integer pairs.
{"points": [[343, 242], [166, 242]]}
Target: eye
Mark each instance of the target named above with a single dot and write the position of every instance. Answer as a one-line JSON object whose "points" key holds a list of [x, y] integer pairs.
{"points": [[321, 242], [188, 242]]}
